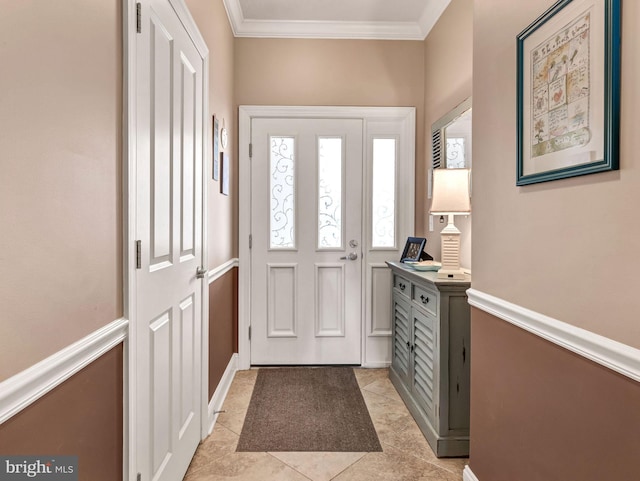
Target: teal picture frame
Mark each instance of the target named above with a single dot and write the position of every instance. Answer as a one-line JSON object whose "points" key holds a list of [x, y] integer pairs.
{"points": [[573, 131]]}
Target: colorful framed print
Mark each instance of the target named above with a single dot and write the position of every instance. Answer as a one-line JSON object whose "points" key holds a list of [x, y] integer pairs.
{"points": [[569, 91]]}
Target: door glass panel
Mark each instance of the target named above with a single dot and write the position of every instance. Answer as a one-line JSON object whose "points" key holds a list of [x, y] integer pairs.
{"points": [[383, 212], [329, 193], [282, 188], [455, 153]]}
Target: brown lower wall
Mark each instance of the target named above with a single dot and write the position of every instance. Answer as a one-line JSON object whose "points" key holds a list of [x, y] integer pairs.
{"points": [[82, 417], [223, 325], [542, 413]]}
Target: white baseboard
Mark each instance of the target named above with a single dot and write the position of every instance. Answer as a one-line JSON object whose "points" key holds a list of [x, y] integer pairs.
{"points": [[614, 355], [26, 387], [467, 474], [221, 391], [375, 365]]}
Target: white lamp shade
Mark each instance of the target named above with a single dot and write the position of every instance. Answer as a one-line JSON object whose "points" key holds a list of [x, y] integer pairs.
{"points": [[451, 191]]}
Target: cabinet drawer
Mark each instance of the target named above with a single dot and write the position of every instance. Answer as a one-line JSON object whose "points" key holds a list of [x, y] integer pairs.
{"points": [[402, 285], [426, 298]]}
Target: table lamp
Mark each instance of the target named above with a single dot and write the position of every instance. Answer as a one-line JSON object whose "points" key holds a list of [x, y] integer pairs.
{"points": [[450, 198]]}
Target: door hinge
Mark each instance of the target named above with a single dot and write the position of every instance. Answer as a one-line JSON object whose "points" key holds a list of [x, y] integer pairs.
{"points": [[139, 17], [250, 150], [250, 241], [138, 254], [249, 332]]}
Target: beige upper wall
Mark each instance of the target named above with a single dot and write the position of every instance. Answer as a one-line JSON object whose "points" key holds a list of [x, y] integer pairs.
{"points": [[212, 21], [567, 248], [60, 156], [448, 61], [334, 72]]}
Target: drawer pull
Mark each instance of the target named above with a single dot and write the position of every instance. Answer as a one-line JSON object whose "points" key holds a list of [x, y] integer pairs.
{"points": [[402, 286], [408, 344], [425, 300]]}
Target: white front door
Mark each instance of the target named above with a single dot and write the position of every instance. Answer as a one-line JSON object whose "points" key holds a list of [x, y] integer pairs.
{"points": [[169, 220], [306, 268]]}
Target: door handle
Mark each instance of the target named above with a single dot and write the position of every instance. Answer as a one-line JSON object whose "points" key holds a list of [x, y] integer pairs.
{"points": [[200, 272], [350, 257]]}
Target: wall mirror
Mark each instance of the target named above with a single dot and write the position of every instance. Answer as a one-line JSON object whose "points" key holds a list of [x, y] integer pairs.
{"points": [[451, 140]]}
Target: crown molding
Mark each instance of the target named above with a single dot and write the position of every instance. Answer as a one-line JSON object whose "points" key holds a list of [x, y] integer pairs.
{"points": [[334, 30], [430, 16]]}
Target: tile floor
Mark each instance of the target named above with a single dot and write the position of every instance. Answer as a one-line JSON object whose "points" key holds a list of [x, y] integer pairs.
{"points": [[406, 455]]}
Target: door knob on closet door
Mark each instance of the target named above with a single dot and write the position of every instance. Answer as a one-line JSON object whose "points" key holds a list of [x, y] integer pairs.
{"points": [[200, 272]]}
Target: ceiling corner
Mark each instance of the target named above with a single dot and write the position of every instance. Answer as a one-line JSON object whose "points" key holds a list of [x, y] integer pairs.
{"points": [[234, 13], [431, 15]]}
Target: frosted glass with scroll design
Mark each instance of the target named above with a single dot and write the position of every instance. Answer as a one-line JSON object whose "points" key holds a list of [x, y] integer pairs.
{"points": [[329, 193], [456, 153], [282, 187], [383, 212]]}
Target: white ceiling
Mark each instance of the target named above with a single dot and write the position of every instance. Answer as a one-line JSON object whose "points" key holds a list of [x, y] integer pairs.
{"points": [[358, 19]]}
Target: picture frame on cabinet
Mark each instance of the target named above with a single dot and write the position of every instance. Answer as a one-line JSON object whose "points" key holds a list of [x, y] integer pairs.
{"points": [[413, 249]]}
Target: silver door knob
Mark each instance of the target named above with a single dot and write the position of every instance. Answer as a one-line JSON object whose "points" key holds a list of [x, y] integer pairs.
{"points": [[200, 272], [350, 257]]}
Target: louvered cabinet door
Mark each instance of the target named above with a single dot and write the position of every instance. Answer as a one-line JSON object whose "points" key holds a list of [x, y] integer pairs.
{"points": [[425, 378], [401, 355]]}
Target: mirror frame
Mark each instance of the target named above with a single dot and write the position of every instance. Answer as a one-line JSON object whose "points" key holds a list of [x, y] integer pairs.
{"points": [[437, 135]]}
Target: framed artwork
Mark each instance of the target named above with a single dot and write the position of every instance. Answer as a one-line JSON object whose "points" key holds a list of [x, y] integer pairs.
{"points": [[569, 91], [215, 168], [413, 249], [224, 165]]}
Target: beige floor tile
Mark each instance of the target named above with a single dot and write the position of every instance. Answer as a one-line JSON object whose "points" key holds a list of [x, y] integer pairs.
{"points": [[221, 442], [394, 465], [237, 401], [388, 415], [411, 441], [246, 376], [318, 466], [406, 454], [232, 420], [384, 388], [367, 376], [242, 385], [245, 467], [238, 397]]}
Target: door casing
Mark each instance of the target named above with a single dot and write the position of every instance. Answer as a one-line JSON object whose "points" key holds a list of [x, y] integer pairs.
{"points": [[129, 19], [404, 119]]}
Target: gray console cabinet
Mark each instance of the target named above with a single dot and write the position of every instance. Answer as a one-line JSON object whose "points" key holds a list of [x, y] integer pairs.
{"points": [[430, 355]]}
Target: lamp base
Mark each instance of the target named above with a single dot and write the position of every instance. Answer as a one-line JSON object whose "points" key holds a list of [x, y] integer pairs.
{"points": [[450, 248]]}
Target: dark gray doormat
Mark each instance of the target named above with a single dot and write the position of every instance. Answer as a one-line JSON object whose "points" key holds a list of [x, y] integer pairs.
{"points": [[308, 409]]}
